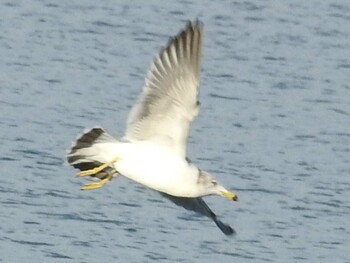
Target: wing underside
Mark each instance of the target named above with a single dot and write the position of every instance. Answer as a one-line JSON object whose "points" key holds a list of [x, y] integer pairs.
{"points": [[199, 206], [169, 101]]}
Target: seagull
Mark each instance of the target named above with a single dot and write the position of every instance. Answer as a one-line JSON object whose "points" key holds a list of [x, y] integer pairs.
{"points": [[153, 150]]}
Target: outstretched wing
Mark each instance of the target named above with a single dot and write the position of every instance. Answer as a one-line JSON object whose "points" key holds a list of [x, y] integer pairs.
{"points": [[169, 101], [199, 206]]}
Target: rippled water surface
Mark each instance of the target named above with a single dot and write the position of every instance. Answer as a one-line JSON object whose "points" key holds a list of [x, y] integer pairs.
{"points": [[274, 127]]}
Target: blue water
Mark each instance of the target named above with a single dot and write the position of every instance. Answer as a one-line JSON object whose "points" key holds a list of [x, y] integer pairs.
{"points": [[274, 127]]}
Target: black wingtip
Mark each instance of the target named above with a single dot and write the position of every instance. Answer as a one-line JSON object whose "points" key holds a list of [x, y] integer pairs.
{"points": [[194, 23], [226, 229]]}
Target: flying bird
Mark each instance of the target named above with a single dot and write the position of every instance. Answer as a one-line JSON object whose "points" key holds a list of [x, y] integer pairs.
{"points": [[153, 149]]}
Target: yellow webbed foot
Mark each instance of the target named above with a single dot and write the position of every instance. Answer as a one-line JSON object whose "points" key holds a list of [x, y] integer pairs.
{"points": [[97, 169], [99, 184], [94, 185]]}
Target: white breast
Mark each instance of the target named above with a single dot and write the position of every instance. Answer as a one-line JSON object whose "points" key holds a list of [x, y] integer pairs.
{"points": [[157, 167]]}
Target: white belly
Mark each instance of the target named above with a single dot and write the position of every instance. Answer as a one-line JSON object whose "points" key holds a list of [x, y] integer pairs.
{"points": [[157, 168]]}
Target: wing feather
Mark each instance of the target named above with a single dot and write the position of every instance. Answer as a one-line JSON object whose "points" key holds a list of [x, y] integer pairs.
{"points": [[199, 206], [169, 101]]}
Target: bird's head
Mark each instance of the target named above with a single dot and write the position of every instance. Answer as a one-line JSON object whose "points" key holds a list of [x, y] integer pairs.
{"points": [[210, 186]]}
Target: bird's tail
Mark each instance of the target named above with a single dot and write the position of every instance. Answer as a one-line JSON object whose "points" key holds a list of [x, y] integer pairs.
{"points": [[91, 150]]}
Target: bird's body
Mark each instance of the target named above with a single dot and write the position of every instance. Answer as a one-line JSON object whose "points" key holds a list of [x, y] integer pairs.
{"points": [[158, 168], [153, 150]]}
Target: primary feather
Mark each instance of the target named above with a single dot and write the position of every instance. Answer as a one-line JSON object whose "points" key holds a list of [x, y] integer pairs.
{"points": [[169, 101]]}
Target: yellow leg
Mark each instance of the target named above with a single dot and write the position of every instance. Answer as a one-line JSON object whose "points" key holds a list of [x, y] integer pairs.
{"points": [[99, 184], [97, 169]]}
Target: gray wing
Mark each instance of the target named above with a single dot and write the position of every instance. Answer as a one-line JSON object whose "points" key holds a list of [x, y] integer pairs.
{"points": [[169, 101], [199, 206]]}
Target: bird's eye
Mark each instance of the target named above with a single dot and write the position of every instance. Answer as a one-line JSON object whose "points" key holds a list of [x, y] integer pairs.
{"points": [[214, 182]]}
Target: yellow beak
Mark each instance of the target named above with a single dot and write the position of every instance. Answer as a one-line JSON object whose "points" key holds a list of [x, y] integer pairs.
{"points": [[230, 195]]}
